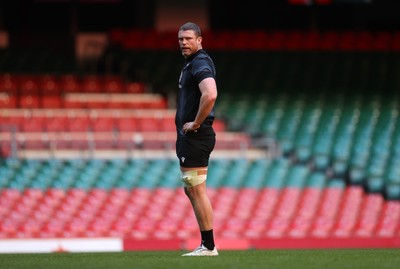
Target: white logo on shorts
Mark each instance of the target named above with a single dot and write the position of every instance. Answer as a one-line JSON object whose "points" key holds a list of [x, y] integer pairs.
{"points": [[183, 159]]}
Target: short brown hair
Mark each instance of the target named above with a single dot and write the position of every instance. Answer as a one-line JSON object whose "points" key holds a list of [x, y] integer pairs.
{"points": [[191, 26]]}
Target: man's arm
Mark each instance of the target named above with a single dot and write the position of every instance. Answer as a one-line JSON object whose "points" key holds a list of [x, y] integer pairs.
{"points": [[208, 89]]}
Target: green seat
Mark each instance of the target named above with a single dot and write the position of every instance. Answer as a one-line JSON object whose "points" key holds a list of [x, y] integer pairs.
{"points": [[171, 178], [336, 183], [217, 170], [339, 167], [375, 184], [357, 176], [257, 173], [277, 173], [236, 173], [316, 180], [296, 176], [392, 191]]}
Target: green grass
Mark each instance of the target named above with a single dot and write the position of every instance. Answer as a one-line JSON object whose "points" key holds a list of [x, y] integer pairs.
{"points": [[257, 259]]}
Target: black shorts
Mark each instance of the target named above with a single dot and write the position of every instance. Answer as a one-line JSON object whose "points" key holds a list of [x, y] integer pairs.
{"points": [[195, 152]]}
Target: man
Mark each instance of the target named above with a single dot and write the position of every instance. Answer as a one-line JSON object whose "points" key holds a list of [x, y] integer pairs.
{"points": [[195, 134]]}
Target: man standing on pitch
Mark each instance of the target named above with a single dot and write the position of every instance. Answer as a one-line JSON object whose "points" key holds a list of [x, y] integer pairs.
{"points": [[195, 134]]}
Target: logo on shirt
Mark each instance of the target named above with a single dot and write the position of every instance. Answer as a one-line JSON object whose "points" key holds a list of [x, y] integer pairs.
{"points": [[183, 159]]}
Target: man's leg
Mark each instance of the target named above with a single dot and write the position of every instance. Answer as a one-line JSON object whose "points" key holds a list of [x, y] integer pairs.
{"points": [[201, 205], [203, 210]]}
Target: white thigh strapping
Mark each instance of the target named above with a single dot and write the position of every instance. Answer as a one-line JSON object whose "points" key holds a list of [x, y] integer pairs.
{"points": [[192, 178]]}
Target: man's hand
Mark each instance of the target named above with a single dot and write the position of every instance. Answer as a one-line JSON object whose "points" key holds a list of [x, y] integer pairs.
{"points": [[190, 127]]}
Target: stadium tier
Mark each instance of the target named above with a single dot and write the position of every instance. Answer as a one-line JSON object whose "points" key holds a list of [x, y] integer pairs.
{"points": [[308, 143], [142, 199]]}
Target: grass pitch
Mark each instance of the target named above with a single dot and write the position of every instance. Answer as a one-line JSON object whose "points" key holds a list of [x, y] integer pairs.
{"points": [[249, 259]]}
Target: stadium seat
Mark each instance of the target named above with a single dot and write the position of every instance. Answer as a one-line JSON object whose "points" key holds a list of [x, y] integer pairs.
{"points": [[29, 101], [8, 100], [70, 83], [369, 216], [388, 223], [9, 84], [34, 124], [326, 213]]}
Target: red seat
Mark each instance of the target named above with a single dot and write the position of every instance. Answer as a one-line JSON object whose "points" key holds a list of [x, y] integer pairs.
{"points": [[92, 84], [70, 84], [347, 216], [382, 41], [29, 85], [55, 195], [388, 224], [310, 40], [364, 41], [225, 202], [168, 124], [13, 121], [49, 85], [93, 103], [29, 101], [76, 228], [103, 124], [329, 40], [113, 85], [135, 87], [51, 101], [240, 39], [120, 228], [56, 124], [255, 227], [347, 40], [33, 124], [8, 100], [327, 212], [104, 140], [246, 202], [79, 124], [150, 124], [369, 215], [285, 210], [294, 40], [71, 104], [127, 124], [9, 84], [266, 203], [5, 149], [52, 229], [305, 215]]}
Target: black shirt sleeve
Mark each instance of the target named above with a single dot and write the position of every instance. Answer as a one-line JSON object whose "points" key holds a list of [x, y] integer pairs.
{"points": [[201, 69]]}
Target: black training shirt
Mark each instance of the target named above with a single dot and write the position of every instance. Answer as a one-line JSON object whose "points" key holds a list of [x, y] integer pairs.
{"points": [[197, 67]]}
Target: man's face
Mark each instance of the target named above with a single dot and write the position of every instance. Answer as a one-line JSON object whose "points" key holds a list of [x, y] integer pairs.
{"points": [[189, 43]]}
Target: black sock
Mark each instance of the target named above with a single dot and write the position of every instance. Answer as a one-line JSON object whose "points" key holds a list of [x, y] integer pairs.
{"points": [[207, 239]]}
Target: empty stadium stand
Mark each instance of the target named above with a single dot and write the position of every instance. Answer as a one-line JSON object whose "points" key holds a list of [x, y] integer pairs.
{"points": [[308, 147]]}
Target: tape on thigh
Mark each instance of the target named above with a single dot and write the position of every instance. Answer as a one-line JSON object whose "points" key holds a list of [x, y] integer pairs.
{"points": [[192, 178]]}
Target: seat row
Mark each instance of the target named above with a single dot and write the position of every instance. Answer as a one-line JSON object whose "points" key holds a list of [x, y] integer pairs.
{"points": [[85, 129], [72, 91], [354, 137], [84, 120], [165, 213], [84, 100], [133, 172], [52, 84], [262, 40], [16, 145]]}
